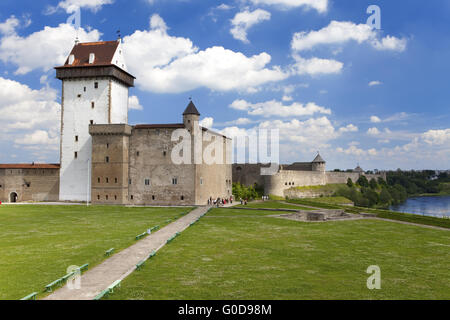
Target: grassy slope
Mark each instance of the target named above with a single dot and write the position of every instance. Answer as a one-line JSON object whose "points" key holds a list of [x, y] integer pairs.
{"points": [[270, 258], [38, 243]]}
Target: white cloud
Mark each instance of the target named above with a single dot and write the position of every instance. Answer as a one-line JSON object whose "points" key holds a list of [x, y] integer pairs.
{"points": [[394, 118], [314, 132], [316, 66], [375, 83], [38, 137], [9, 26], [42, 49], [207, 122], [340, 32], [244, 20], [167, 64], [28, 117], [134, 104], [319, 5], [373, 131], [353, 150], [287, 98], [224, 6], [390, 43], [349, 128], [276, 108], [375, 119], [437, 137], [70, 5], [157, 23]]}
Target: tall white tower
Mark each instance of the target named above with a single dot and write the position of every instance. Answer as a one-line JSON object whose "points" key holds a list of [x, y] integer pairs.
{"points": [[95, 85]]}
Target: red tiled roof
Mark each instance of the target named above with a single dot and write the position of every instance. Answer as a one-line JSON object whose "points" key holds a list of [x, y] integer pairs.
{"points": [[29, 166], [104, 52]]}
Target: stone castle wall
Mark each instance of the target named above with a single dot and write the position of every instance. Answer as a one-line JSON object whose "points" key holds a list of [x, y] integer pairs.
{"points": [[140, 170], [29, 184], [278, 184]]}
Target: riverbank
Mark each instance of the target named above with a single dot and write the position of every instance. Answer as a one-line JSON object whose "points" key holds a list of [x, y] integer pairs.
{"points": [[436, 206]]}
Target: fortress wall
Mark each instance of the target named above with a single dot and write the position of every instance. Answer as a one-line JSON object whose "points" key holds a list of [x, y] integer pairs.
{"points": [[248, 174], [29, 184], [342, 177], [150, 158], [214, 180], [277, 184]]}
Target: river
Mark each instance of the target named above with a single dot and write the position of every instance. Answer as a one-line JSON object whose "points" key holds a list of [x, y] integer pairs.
{"points": [[429, 206]]}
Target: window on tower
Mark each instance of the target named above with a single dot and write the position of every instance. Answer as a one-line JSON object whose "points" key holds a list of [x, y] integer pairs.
{"points": [[76, 155], [96, 85], [92, 122], [92, 104], [76, 138], [107, 159]]}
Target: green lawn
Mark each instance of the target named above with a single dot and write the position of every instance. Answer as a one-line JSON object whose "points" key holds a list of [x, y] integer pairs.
{"points": [[272, 205], [225, 256], [38, 243], [386, 214], [331, 200]]}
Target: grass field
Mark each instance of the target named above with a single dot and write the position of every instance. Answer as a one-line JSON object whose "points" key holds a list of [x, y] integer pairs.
{"points": [[243, 254], [38, 243], [331, 200], [386, 214], [273, 205]]}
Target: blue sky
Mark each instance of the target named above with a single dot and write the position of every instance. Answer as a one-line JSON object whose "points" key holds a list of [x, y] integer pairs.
{"points": [[311, 68]]}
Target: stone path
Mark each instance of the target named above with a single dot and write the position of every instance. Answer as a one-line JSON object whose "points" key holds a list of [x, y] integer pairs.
{"points": [[122, 264]]}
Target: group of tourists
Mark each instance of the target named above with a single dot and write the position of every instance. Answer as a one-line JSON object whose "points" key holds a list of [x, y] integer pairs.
{"points": [[220, 201]]}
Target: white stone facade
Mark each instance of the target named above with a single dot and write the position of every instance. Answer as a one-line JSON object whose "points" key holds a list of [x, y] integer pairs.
{"points": [[96, 100]]}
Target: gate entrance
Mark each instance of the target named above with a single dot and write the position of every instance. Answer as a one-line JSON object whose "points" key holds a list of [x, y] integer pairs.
{"points": [[13, 197]]}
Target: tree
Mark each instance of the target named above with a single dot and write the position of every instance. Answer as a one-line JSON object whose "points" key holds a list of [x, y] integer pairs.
{"points": [[373, 184], [385, 197], [349, 182], [363, 182], [372, 197], [382, 182]]}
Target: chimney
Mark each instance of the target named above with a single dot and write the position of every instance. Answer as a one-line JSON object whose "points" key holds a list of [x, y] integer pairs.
{"points": [[71, 59], [91, 58]]}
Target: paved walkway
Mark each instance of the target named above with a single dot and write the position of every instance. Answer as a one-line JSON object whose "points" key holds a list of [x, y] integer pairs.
{"points": [[122, 264]]}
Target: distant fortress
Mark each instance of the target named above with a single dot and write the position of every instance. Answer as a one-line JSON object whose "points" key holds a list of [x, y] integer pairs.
{"points": [[298, 174]]}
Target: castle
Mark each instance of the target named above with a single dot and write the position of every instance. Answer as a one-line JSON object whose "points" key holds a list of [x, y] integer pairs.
{"points": [[104, 160], [298, 174]]}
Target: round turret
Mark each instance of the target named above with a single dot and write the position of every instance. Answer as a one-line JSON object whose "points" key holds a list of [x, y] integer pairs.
{"points": [[318, 164]]}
